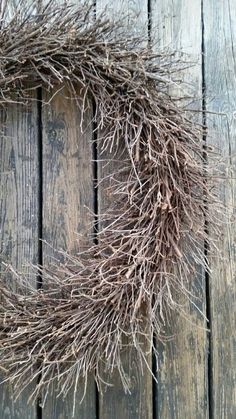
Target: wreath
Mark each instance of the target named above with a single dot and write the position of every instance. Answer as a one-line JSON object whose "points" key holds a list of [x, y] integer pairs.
{"points": [[118, 291]]}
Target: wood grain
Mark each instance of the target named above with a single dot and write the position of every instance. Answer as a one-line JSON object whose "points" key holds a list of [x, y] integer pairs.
{"points": [[181, 391], [132, 13], [220, 53], [67, 195], [114, 403], [19, 186]]}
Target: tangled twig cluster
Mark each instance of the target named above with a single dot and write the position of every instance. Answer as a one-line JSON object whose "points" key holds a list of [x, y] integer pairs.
{"points": [[125, 284]]}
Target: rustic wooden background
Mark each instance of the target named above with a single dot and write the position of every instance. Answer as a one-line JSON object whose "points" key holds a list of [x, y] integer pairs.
{"points": [[47, 179]]}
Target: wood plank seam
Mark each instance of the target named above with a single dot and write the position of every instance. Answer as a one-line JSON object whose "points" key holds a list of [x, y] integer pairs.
{"points": [[206, 247]]}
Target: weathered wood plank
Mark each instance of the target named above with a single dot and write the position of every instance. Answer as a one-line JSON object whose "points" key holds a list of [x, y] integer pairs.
{"points": [[19, 211], [181, 391], [67, 190], [133, 13], [114, 403], [220, 53]]}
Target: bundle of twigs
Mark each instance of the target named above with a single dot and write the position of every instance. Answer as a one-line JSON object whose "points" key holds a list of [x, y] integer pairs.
{"points": [[125, 284]]}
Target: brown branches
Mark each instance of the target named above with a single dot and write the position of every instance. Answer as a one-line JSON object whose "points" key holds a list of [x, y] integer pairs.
{"points": [[140, 267]]}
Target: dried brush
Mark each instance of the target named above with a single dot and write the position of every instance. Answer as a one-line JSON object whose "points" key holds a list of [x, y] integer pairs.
{"points": [[126, 284]]}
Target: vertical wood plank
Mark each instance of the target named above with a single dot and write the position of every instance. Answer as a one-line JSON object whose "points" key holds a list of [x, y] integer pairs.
{"points": [[181, 391], [19, 211], [71, 186], [133, 13], [220, 41], [67, 190], [114, 403]]}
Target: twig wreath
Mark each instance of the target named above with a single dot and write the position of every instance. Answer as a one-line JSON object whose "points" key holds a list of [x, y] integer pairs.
{"points": [[126, 284]]}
